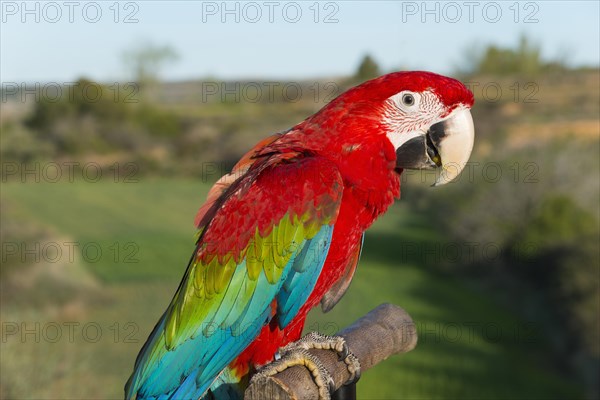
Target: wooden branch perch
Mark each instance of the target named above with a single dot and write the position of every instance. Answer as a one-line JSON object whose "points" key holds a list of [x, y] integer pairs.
{"points": [[384, 331]]}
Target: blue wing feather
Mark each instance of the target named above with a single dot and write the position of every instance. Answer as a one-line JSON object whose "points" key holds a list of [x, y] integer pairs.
{"points": [[303, 277]]}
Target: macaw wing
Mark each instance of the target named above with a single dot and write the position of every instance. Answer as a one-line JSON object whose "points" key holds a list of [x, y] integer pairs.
{"points": [[337, 291], [273, 223]]}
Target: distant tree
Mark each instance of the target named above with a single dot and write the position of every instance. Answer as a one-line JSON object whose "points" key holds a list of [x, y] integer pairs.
{"points": [[146, 60], [367, 69], [525, 58]]}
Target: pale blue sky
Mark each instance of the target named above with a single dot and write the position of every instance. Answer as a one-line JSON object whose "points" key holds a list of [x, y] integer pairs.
{"points": [[392, 32]]}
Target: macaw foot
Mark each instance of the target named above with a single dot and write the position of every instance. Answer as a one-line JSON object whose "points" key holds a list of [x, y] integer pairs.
{"points": [[316, 340], [300, 356], [296, 353]]}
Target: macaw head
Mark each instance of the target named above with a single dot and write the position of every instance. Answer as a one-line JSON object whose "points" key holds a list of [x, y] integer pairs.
{"points": [[422, 116]]}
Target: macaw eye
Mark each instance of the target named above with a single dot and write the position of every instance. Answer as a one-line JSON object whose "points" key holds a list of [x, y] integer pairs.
{"points": [[408, 99]]}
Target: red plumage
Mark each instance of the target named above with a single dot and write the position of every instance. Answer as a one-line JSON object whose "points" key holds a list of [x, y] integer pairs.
{"points": [[336, 171], [348, 131]]}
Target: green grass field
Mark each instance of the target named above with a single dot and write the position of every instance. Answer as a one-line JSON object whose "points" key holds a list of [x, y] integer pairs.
{"points": [[469, 347]]}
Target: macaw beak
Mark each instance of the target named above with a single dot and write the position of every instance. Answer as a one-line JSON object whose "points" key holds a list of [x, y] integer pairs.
{"points": [[446, 144]]}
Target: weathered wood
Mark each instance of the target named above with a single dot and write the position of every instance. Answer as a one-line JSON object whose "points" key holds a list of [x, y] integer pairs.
{"points": [[384, 331]]}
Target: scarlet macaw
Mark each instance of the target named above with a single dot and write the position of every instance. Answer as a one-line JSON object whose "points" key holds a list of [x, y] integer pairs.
{"points": [[283, 231]]}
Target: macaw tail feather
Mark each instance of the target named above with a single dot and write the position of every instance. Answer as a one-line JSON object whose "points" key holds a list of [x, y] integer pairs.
{"points": [[227, 386]]}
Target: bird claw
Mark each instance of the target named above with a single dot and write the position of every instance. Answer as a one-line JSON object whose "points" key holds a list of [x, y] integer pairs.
{"points": [[353, 368], [316, 340], [344, 353], [299, 356], [296, 353]]}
